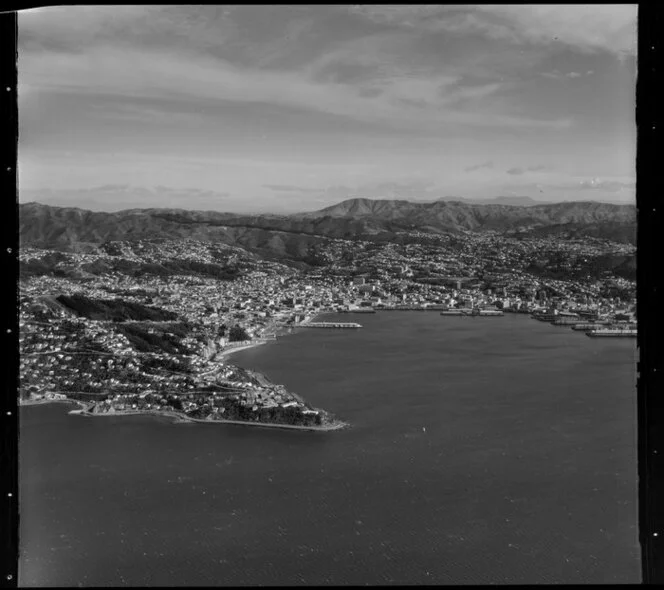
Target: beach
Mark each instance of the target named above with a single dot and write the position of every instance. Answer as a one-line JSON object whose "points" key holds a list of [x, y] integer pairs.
{"points": [[39, 402], [227, 352]]}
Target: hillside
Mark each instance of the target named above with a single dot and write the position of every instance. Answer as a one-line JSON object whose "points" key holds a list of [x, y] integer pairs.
{"points": [[469, 216], [294, 237], [116, 310]]}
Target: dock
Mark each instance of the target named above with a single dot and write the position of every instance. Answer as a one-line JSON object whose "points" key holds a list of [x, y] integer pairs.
{"points": [[330, 325], [474, 312], [608, 332], [566, 321], [589, 326]]}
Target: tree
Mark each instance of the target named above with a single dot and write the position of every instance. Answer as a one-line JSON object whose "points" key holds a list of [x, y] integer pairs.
{"points": [[237, 334]]}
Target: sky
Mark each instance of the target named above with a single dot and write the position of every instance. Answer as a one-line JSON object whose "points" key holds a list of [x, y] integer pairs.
{"points": [[293, 108]]}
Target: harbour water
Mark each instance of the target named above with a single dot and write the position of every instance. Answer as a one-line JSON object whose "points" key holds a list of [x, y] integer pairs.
{"points": [[481, 451]]}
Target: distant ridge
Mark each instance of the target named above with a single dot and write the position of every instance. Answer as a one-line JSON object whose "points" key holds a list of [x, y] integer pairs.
{"points": [[502, 200], [539, 213], [293, 236]]}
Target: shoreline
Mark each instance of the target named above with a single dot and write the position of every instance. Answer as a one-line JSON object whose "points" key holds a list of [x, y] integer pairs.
{"points": [[225, 353], [184, 418], [41, 402], [84, 408]]}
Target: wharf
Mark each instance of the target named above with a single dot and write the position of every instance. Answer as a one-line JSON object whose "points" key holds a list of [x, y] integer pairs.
{"points": [[585, 326], [483, 313], [565, 321], [612, 333], [330, 325]]}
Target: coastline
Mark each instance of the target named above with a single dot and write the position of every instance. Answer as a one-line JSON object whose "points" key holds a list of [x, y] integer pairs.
{"points": [[184, 418], [226, 353], [85, 407], [40, 402], [84, 410]]}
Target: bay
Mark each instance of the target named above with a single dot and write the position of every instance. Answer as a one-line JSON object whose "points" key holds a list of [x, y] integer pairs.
{"points": [[481, 450]]}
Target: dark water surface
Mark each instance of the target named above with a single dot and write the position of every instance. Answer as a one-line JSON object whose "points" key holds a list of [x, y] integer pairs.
{"points": [[482, 450]]}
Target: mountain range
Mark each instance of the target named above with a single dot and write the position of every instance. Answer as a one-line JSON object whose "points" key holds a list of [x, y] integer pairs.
{"points": [[293, 236]]}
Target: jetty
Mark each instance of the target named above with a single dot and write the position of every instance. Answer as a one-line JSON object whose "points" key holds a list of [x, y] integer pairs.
{"points": [[612, 332], [590, 325], [473, 312], [329, 325]]}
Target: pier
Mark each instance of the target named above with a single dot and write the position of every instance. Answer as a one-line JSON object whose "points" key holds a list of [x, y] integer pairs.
{"points": [[612, 332], [473, 312], [589, 326], [565, 321], [330, 325]]}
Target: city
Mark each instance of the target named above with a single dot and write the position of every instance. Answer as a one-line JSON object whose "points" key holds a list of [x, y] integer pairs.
{"points": [[70, 353], [334, 295]]}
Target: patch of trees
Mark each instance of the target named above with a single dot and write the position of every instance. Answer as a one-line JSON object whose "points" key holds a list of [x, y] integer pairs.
{"points": [[180, 365], [144, 341], [276, 415], [217, 271], [115, 310], [42, 266], [238, 334], [163, 269]]}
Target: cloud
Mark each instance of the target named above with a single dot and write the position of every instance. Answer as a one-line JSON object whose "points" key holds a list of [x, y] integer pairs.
{"points": [[556, 75], [290, 188], [318, 89], [586, 28], [520, 171], [611, 186], [406, 102], [488, 164]]}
